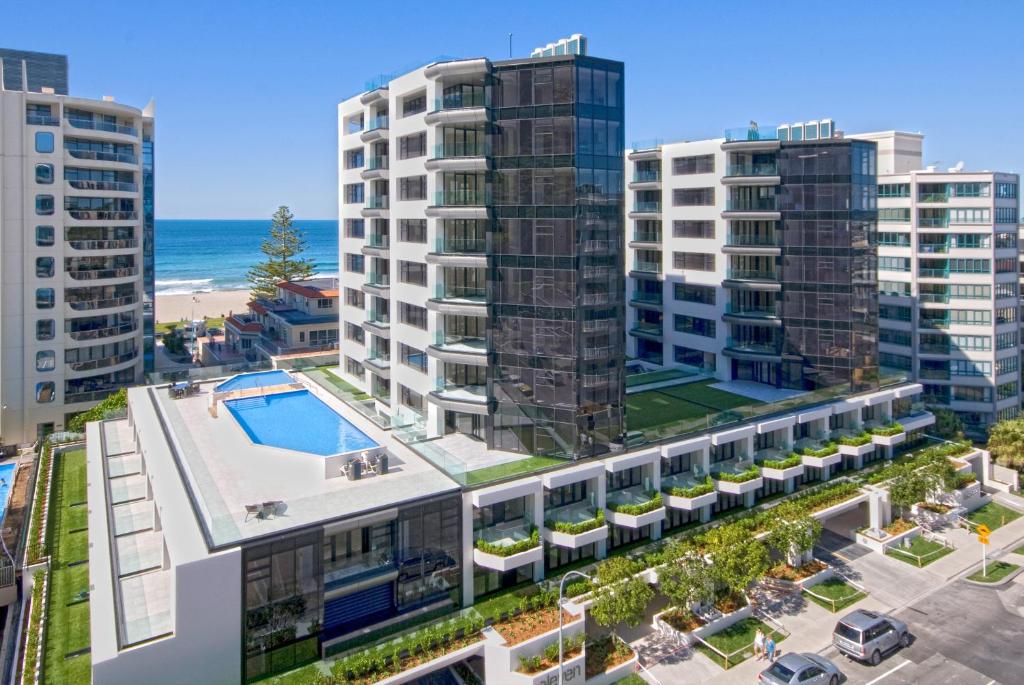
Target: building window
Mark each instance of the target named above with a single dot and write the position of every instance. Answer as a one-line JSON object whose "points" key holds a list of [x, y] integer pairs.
{"points": [[893, 190], [44, 205], [695, 325], [354, 263], [971, 189], [44, 141], [354, 368], [1005, 341], [894, 264], [693, 229], [967, 367], [46, 360], [896, 215], [894, 288], [412, 357], [45, 329], [894, 312], [1007, 365], [414, 104], [1006, 215], [701, 294], [44, 236], [412, 188], [45, 298], [355, 228], [1007, 191], [693, 261], [412, 230], [895, 337], [894, 361], [968, 393], [355, 298], [353, 193], [706, 361], [354, 158], [971, 215], [44, 267], [354, 333], [693, 197], [413, 273], [412, 315], [44, 173], [46, 392], [699, 164], [410, 398], [324, 303], [412, 146]]}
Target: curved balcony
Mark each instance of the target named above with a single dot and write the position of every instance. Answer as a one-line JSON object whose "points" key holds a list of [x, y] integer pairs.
{"points": [[752, 315], [459, 110], [86, 305], [41, 120], [89, 245], [458, 67], [457, 350], [377, 129], [102, 274], [112, 186], [105, 363], [458, 157], [467, 302], [377, 246], [376, 167], [459, 204], [94, 395], [646, 240], [752, 279], [97, 156], [93, 125], [646, 180], [469, 399], [380, 365], [82, 335], [753, 244], [464, 252], [377, 284], [376, 207], [753, 350], [378, 324], [753, 208], [646, 210], [647, 331], [375, 95], [645, 150], [763, 174], [101, 215]]}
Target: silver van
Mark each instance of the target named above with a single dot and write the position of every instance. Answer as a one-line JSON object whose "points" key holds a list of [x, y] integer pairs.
{"points": [[868, 635]]}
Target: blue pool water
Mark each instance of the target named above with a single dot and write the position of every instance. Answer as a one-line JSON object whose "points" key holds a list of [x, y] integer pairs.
{"points": [[7, 473], [297, 421], [261, 379]]}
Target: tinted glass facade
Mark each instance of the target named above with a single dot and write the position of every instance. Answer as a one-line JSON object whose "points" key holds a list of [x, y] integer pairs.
{"points": [[148, 246], [555, 285], [44, 70], [829, 264]]}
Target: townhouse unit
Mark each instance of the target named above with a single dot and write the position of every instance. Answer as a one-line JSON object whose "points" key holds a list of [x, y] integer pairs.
{"points": [[749, 257], [302, 317], [949, 282], [481, 253], [262, 522], [76, 225]]}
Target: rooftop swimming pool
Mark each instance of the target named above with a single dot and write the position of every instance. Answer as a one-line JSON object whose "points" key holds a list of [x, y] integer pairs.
{"points": [[7, 474], [261, 379], [297, 421]]}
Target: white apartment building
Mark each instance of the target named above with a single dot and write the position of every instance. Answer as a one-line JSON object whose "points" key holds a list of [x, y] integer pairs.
{"points": [[948, 281], [76, 221]]}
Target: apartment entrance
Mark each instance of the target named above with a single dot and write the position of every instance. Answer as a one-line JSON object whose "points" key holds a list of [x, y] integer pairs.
{"points": [[759, 372], [468, 424]]}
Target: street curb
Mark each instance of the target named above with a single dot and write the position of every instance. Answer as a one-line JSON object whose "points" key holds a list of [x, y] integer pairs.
{"points": [[999, 584]]}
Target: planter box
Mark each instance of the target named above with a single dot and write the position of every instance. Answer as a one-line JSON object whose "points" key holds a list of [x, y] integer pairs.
{"points": [[809, 581], [501, 661], [923, 420], [889, 440], [570, 541], [614, 674], [731, 488], [783, 474], [822, 462], [723, 622], [499, 563], [421, 670], [858, 450], [881, 544], [935, 517], [689, 503], [630, 521], [683, 637]]}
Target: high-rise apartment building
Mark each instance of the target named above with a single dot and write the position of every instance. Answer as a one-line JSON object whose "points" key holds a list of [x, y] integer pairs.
{"points": [[948, 281], [750, 257], [76, 207], [482, 252]]}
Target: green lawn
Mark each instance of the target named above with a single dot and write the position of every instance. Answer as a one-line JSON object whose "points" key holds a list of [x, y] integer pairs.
{"points": [[840, 592], [738, 636], [211, 322], [635, 379], [993, 515], [631, 679], [489, 473], [1019, 550], [997, 570], [332, 379], [666, 406], [67, 629], [927, 550]]}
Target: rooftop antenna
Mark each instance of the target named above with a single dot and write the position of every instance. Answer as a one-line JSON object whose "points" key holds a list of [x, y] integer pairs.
{"points": [[510, 46]]}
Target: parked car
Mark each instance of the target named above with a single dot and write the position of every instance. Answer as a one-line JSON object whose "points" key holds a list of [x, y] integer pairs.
{"points": [[868, 635], [806, 669]]}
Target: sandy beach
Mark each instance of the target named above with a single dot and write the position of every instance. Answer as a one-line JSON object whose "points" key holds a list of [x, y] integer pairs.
{"points": [[171, 308]]}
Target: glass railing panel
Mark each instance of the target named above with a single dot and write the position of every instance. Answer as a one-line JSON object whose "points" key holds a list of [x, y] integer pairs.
{"points": [[750, 169], [753, 132]]}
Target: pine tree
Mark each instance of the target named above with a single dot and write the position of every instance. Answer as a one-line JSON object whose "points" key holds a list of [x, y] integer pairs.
{"points": [[283, 249]]}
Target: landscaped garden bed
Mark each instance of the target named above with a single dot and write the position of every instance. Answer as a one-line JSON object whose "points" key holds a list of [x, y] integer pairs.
{"points": [[742, 477], [997, 571], [578, 527], [807, 575], [889, 430], [680, 620], [899, 526], [919, 552], [782, 464], [707, 487], [834, 594], [824, 451], [735, 644], [993, 515], [530, 624], [508, 550], [637, 509], [606, 653], [571, 647], [854, 440]]}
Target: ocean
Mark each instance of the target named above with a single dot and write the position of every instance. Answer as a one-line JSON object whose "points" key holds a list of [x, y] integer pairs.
{"points": [[203, 255]]}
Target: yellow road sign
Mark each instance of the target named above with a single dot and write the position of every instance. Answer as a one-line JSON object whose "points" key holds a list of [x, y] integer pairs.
{"points": [[983, 530], [983, 539]]}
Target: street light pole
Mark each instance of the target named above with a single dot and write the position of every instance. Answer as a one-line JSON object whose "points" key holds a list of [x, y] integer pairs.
{"points": [[561, 598]]}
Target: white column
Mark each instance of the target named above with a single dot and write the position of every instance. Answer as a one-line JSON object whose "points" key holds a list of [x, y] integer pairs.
{"points": [[467, 550], [537, 500]]}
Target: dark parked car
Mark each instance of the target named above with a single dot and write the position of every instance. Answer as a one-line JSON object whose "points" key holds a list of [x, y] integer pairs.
{"points": [[868, 635], [801, 669]]}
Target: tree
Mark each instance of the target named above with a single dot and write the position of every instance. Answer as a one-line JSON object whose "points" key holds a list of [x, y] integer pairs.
{"points": [[907, 489], [283, 249], [687, 581], [1006, 443], [623, 602], [793, 537], [947, 424], [737, 558]]}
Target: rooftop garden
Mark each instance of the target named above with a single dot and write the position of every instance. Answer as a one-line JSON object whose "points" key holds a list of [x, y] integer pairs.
{"points": [[679, 409], [707, 487], [516, 547]]}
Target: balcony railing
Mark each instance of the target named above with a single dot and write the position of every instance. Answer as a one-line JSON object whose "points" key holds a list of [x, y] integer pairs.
{"points": [[121, 186], [461, 198], [378, 162], [646, 266], [460, 245], [647, 328], [647, 298], [754, 346], [752, 310], [932, 248], [455, 150], [935, 374], [378, 279], [648, 207], [591, 246], [594, 380], [379, 122], [476, 99], [106, 332], [933, 222], [754, 239], [934, 297], [41, 120], [754, 204], [97, 274], [752, 274], [378, 240], [103, 363], [381, 319], [648, 176], [762, 169], [599, 352], [85, 305], [377, 202], [935, 349], [647, 236], [935, 323], [459, 293], [933, 273], [103, 244], [102, 215], [122, 157], [72, 397], [933, 197], [103, 126], [597, 298], [751, 133]]}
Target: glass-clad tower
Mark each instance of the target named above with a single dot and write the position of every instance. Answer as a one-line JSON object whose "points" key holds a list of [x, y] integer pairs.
{"points": [[555, 257]]}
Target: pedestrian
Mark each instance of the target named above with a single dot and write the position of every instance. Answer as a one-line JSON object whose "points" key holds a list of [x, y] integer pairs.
{"points": [[769, 648], [759, 644]]}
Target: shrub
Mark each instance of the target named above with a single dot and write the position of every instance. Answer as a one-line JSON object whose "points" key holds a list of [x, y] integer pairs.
{"points": [[636, 509], [823, 451], [965, 479], [855, 440], [708, 486], [787, 463], [750, 474], [892, 429], [113, 405], [514, 548], [576, 528]]}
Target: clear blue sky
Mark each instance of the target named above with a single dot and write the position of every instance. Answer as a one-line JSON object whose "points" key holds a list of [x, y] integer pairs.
{"points": [[247, 91]]}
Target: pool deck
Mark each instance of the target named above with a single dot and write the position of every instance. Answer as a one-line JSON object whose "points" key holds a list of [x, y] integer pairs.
{"points": [[225, 471]]}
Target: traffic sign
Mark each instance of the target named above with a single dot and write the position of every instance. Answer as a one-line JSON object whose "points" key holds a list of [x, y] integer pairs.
{"points": [[983, 539], [982, 529]]}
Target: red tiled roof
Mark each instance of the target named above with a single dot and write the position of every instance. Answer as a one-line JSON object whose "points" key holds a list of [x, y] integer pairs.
{"points": [[306, 290], [257, 307], [243, 326]]}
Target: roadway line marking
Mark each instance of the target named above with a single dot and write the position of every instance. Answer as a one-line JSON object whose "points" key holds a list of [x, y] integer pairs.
{"points": [[888, 673]]}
